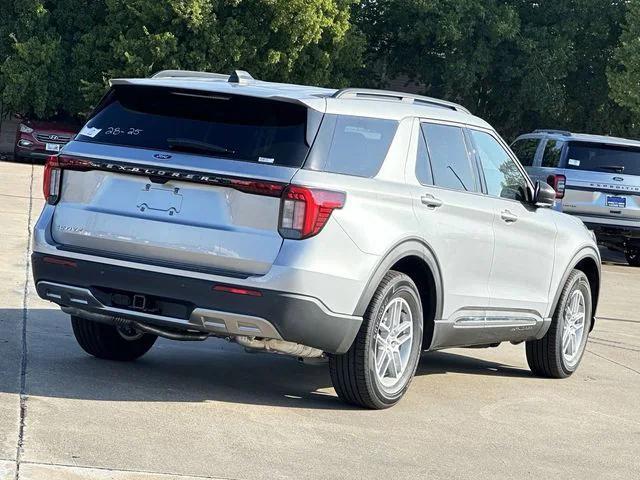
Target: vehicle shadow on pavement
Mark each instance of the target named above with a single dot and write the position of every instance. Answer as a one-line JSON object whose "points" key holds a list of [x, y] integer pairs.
{"points": [[213, 371], [433, 363]]}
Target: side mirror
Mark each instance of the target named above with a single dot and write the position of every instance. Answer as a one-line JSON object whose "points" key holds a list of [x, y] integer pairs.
{"points": [[544, 195]]}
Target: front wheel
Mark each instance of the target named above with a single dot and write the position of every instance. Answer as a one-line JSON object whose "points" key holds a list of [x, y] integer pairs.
{"points": [[558, 353], [378, 368], [633, 256], [110, 342]]}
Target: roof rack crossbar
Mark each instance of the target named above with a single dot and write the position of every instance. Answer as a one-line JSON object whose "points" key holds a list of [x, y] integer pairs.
{"points": [[551, 130], [398, 96]]}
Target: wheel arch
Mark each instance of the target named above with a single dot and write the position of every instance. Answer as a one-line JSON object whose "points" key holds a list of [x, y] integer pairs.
{"points": [[416, 259], [587, 261]]}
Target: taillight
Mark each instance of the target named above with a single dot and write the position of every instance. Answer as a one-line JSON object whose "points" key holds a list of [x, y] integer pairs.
{"points": [[52, 177], [257, 187], [559, 183], [305, 211], [51, 180]]}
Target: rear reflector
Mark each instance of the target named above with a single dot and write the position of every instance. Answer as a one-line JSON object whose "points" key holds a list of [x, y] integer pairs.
{"points": [[305, 211], [60, 261], [237, 290], [559, 183]]}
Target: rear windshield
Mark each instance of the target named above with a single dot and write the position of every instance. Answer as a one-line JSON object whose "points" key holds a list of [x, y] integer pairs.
{"points": [[603, 158], [220, 125]]}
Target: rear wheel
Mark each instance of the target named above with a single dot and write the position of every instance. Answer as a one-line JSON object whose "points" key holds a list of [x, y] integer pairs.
{"points": [[110, 342], [378, 368], [633, 256], [558, 353]]}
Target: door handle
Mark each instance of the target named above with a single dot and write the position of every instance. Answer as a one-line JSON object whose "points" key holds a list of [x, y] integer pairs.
{"points": [[508, 217], [430, 201]]}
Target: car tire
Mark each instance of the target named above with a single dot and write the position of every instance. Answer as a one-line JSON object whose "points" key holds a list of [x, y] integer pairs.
{"points": [[108, 342], [558, 353], [633, 257], [389, 340]]}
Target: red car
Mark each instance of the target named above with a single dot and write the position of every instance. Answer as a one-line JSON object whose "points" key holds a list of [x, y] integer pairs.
{"points": [[36, 140]]}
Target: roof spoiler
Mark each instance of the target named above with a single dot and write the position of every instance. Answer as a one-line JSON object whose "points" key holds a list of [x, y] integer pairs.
{"points": [[237, 76], [551, 130]]}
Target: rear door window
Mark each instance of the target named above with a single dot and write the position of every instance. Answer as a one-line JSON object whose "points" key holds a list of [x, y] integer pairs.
{"points": [[352, 145], [603, 158], [450, 160], [525, 149], [552, 153], [205, 123]]}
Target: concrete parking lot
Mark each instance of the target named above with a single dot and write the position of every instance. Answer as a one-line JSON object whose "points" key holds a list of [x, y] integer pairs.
{"points": [[210, 410]]}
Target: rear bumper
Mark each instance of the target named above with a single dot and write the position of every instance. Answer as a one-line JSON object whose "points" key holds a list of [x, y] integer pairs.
{"points": [[185, 303]]}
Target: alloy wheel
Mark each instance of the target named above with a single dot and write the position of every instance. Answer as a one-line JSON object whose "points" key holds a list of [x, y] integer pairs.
{"points": [[394, 340], [573, 328]]}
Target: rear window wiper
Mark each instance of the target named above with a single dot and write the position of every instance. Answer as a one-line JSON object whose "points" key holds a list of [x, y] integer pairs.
{"points": [[612, 168], [190, 145]]}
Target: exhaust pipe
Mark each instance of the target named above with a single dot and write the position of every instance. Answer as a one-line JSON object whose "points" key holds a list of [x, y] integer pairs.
{"points": [[278, 346]]}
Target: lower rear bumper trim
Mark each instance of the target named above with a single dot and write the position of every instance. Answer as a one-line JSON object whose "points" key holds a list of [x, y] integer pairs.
{"points": [[201, 319], [278, 315]]}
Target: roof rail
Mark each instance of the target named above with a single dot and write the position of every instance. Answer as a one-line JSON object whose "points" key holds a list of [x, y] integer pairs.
{"points": [[551, 130], [398, 96]]}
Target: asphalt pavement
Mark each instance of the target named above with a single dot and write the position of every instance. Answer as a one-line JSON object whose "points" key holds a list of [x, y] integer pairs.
{"points": [[210, 410]]}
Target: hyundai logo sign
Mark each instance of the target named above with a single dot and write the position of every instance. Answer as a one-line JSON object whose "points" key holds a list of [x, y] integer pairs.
{"points": [[162, 156]]}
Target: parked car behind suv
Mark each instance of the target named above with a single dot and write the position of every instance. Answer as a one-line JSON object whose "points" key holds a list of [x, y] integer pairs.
{"points": [[597, 178], [38, 140], [360, 225]]}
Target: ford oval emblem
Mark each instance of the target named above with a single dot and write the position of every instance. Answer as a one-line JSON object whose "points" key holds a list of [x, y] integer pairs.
{"points": [[162, 156], [618, 179]]}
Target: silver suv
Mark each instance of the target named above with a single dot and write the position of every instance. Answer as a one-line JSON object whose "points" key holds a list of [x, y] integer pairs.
{"points": [[597, 178], [356, 225]]}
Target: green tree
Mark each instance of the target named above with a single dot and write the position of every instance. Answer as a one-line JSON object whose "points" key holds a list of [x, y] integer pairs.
{"points": [[32, 68], [522, 64], [57, 56], [36, 38], [280, 40], [624, 73]]}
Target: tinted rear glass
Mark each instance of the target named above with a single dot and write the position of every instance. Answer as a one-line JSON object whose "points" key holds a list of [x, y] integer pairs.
{"points": [[525, 149], [552, 153], [352, 145], [220, 125], [603, 158]]}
